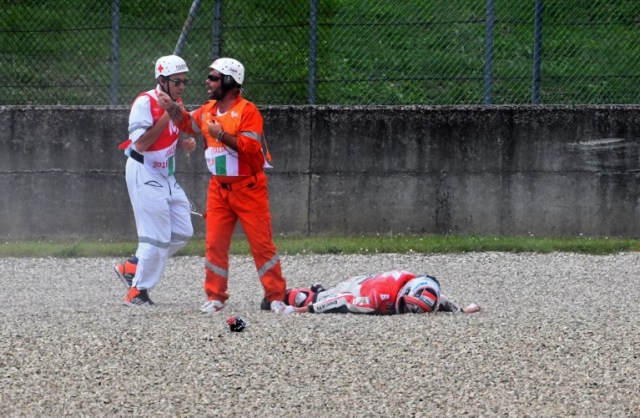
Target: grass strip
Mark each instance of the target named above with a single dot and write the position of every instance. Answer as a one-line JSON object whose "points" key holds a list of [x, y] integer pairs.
{"points": [[341, 245]]}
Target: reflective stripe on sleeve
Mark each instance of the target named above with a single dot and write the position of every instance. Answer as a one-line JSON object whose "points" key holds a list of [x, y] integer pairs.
{"points": [[252, 135]]}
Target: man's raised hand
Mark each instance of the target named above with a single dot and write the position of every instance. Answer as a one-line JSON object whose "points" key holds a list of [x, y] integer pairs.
{"points": [[164, 100]]}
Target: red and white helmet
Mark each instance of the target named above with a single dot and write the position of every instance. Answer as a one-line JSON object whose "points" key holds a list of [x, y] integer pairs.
{"points": [[230, 67], [419, 295], [169, 65]]}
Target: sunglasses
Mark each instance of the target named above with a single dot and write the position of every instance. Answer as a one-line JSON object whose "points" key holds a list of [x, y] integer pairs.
{"points": [[177, 82], [214, 78]]}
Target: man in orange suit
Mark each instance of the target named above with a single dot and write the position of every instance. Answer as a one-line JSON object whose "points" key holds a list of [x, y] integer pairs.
{"points": [[232, 127]]}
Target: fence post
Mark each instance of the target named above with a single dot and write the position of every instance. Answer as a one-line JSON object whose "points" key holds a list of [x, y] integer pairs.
{"points": [[186, 27], [216, 36], [313, 50], [537, 53], [115, 50], [488, 54]]}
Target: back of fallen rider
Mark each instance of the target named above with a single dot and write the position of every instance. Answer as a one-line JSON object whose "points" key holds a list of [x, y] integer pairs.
{"points": [[233, 130], [160, 206], [388, 293]]}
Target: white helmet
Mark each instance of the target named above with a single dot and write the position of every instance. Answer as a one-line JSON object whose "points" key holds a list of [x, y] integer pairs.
{"points": [[419, 295], [230, 67], [170, 64]]}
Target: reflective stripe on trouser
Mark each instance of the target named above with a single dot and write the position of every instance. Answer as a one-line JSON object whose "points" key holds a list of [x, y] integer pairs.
{"points": [[163, 221], [249, 205]]}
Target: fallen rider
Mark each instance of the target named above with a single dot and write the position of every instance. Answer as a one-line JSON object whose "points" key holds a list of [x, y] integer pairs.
{"points": [[388, 293]]}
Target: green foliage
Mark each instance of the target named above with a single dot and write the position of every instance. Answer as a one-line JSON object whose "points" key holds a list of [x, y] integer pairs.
{"points": [[368, 52]]}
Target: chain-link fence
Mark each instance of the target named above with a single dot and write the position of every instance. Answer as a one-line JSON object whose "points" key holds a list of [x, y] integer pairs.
{"points": [[344, 52]]}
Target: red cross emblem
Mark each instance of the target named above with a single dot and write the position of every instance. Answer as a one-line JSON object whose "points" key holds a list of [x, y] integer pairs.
{"points": [[160, 68]]}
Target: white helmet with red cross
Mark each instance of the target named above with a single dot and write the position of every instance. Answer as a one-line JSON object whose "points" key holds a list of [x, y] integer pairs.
{"points": [[419, 295], [169, 65]]}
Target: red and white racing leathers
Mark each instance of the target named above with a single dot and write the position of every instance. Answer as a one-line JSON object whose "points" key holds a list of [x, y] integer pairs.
{"points": [[372, 294]]}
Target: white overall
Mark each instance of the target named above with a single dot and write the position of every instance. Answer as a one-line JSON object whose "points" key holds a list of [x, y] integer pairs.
{"points": [[160, 206]]}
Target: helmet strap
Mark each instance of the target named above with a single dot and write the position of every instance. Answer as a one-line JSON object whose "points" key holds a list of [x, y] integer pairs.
{"points": [[166, 86]]}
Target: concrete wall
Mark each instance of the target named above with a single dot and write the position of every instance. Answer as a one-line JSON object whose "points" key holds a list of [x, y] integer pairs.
{"points": [[553, 171]]}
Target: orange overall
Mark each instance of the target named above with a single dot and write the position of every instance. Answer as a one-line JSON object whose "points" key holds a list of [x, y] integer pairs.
{"points": [[237, 191]]}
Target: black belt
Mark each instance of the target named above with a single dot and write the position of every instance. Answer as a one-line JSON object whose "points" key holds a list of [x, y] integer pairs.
{"points": [[248, 182], [136, 156]]}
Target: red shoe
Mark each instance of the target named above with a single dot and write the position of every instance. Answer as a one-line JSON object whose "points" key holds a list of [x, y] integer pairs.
{"points": [[137, 297], [127, 270]]}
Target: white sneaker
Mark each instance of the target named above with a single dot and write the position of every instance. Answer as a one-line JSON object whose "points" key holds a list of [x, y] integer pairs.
{"points": [[211, 306], [280, 308]]}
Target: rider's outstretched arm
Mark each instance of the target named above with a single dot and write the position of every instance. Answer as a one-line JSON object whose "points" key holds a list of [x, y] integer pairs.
{"points": [[447, 305]]}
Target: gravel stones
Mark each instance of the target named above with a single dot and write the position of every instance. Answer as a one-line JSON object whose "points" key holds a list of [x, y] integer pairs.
{"points": [[558, 335]]}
